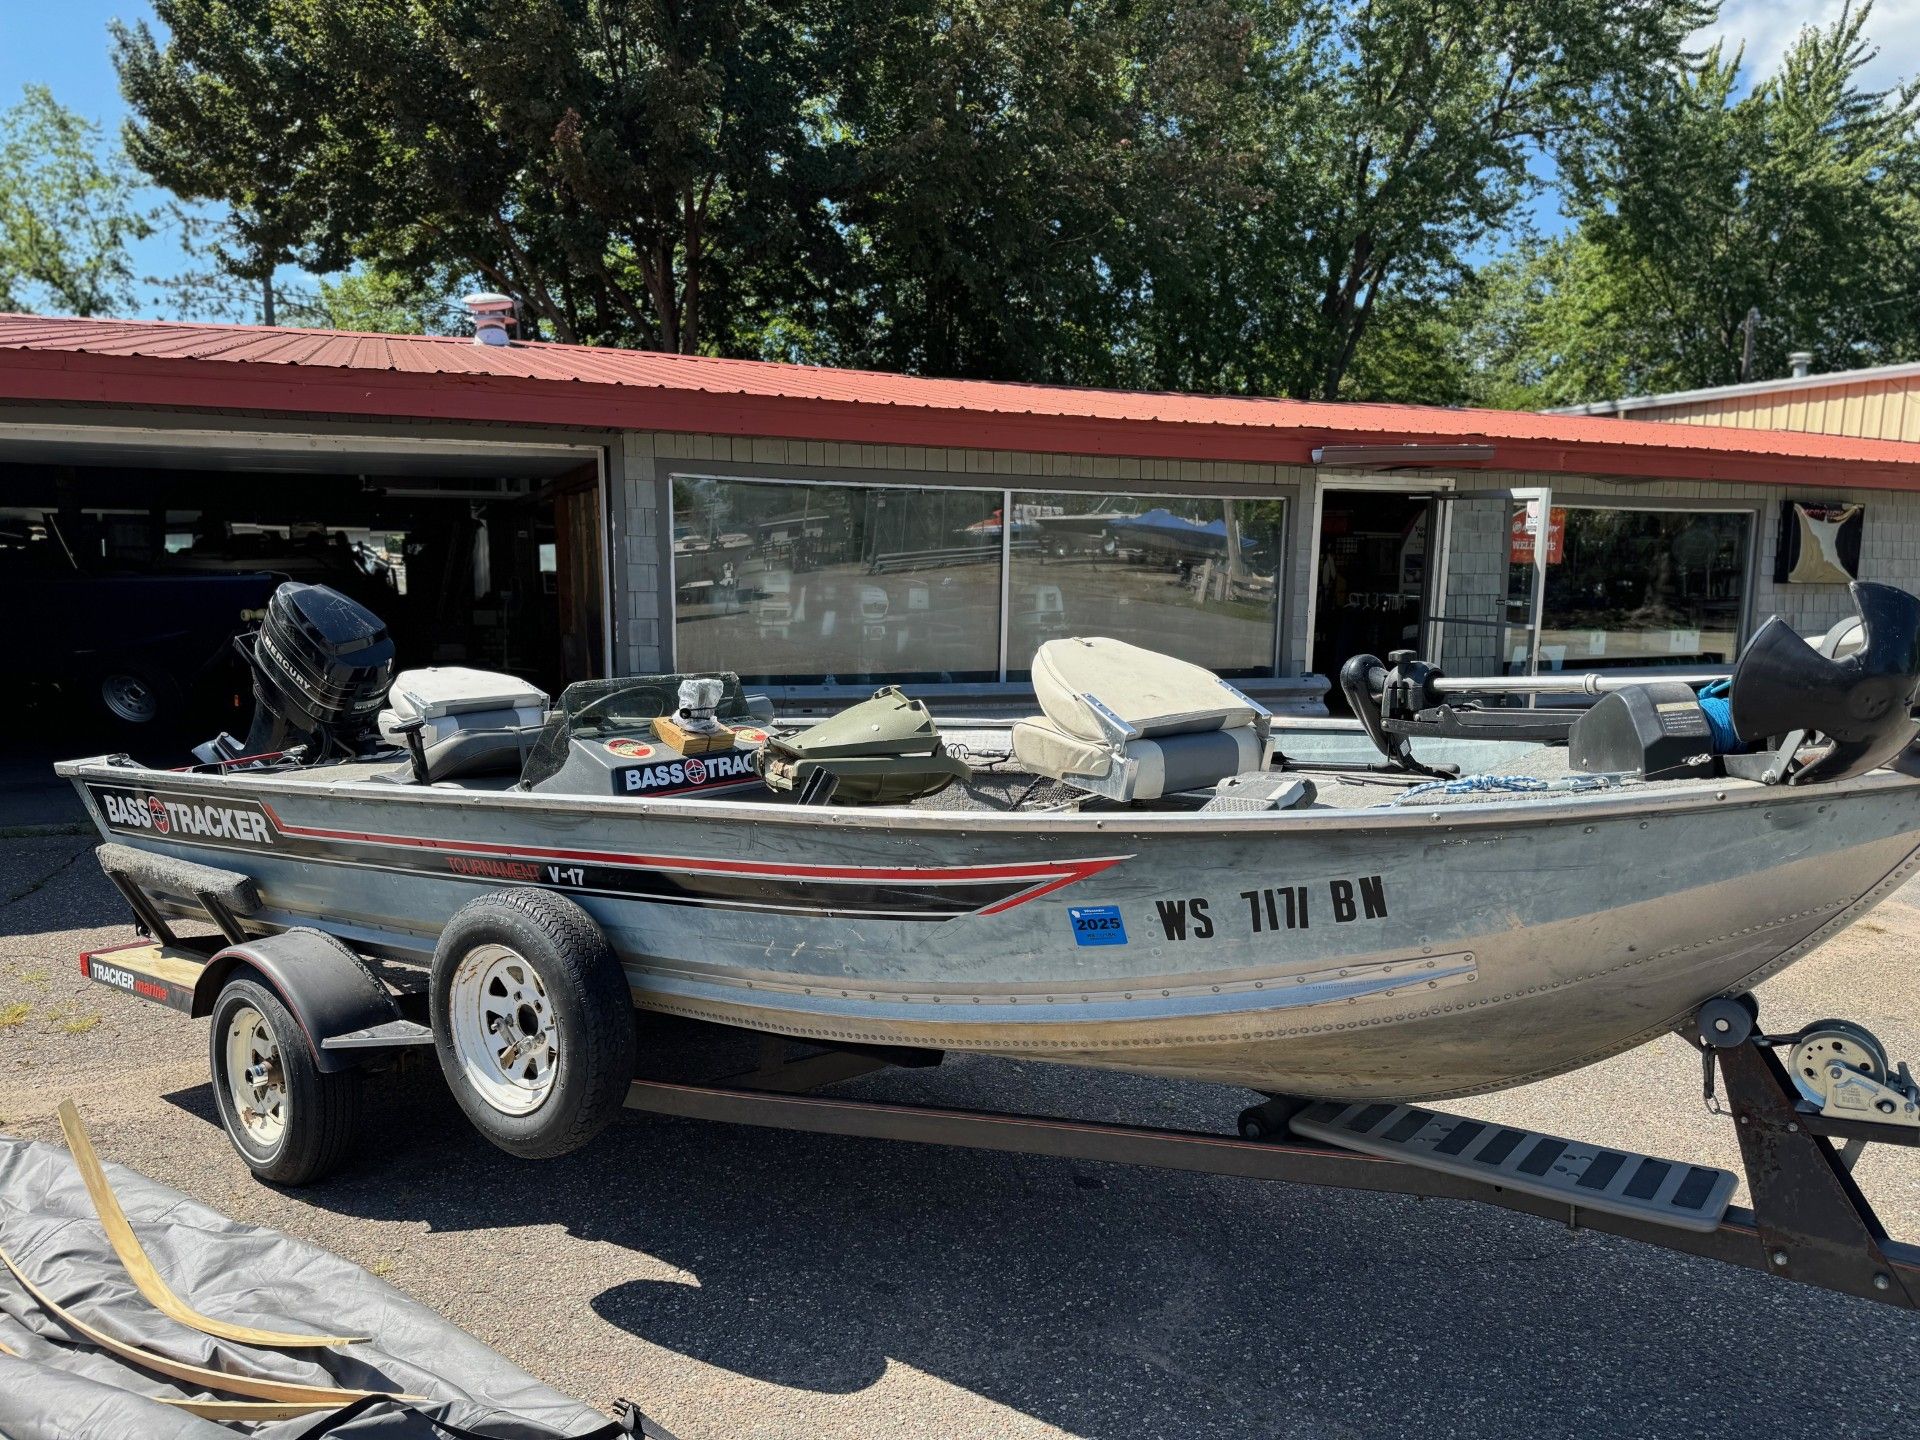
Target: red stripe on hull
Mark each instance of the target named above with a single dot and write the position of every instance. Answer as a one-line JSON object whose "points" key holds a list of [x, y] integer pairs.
{"points": [[1046, 875]]}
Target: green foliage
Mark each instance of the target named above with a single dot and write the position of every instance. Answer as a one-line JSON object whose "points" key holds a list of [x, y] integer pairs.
{"points": [[1197, 195], [1385, 142], [1797, 200], [69, 210], [381, 302]]}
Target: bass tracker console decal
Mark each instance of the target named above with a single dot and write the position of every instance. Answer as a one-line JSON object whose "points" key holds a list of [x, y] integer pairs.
{"points": [[918, 892]]}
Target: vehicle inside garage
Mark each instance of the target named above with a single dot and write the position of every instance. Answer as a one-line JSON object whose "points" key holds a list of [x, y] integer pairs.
{"points": [[139, 555]]}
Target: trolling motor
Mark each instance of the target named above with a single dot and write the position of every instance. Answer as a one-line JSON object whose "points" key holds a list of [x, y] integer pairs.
{"points": [[1790, 713]]}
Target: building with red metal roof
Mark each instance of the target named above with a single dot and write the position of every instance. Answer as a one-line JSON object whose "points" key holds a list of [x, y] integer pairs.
{"points": [[822, 529]]}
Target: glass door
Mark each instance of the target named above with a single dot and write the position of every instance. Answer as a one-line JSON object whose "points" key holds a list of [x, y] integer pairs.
{"points": [[1489, 582]]}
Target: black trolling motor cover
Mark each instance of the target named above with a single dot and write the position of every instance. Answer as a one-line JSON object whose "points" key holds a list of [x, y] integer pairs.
{"points": [[1655, 732], [1860, 705]]}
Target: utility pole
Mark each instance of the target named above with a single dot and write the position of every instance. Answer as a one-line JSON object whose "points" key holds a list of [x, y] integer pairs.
{"points": [[1747, 328]]}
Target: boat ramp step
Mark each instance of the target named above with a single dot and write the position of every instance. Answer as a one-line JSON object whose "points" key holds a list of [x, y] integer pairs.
{"points": [[149, 969], [1591, 1177]]}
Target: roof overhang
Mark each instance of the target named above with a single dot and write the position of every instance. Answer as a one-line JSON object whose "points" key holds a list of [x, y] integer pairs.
{"points": [[1285, 434]]}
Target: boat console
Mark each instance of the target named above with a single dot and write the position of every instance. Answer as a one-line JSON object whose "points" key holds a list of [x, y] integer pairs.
{"points": [[1790, 712]]}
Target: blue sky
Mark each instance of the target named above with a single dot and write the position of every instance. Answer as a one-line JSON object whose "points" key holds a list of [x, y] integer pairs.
{"points": [[63, 44]]}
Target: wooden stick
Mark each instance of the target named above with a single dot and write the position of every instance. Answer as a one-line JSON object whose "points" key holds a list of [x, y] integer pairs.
{"points": [[228, 1410], [257, 1386], [146, 1278]]}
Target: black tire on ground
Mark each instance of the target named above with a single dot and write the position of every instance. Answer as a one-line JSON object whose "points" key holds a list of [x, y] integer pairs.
{"points": [[133, 697], [321, 1112], [591, 1016]]}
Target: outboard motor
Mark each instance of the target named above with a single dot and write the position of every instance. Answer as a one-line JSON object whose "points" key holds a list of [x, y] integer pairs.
{"points": [[1786, 695], [321, 668]]}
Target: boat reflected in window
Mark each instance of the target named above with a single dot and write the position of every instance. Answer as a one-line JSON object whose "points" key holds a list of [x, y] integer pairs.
{"points": [[1187, 576], [836, 584]]}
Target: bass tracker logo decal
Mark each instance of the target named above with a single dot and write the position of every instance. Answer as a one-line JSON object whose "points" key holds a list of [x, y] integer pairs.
{"points": [[182, 817], [691, 772], [890, 892]]}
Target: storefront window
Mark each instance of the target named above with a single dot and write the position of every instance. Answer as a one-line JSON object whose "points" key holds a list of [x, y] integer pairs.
{"points": [[1642, 587], [836, 584], [1187, 576]]}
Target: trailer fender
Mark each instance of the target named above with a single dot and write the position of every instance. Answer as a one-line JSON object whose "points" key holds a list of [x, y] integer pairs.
{"points": [[329, 989]]}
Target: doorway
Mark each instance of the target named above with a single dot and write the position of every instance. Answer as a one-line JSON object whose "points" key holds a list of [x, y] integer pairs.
{"points": [[1374, 553]]}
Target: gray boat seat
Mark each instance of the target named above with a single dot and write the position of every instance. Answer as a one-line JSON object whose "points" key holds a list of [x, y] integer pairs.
{"points": [[1133, 724], [473, 722]]}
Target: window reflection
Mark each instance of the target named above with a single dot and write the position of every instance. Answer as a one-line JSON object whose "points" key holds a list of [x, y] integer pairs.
{"points": [[1644, 587], [836, 584], [1191, 577]]}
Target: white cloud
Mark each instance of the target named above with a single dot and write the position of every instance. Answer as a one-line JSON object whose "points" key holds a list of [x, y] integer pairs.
{"points": [[1768, 27]]}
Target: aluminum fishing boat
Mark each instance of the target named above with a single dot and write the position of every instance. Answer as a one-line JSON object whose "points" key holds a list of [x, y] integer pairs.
{"points": [[1456, 893]]}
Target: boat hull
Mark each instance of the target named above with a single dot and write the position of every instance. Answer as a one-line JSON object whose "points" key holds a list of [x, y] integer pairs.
{"points": [[1394, 953]]}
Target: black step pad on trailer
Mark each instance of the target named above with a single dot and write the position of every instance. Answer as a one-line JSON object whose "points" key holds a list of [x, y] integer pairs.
{"points": [[1592, 1177]]}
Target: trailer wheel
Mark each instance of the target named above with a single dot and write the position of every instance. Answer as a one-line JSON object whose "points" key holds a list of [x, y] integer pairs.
{"points": [[291, 1122], [533, 1021]]}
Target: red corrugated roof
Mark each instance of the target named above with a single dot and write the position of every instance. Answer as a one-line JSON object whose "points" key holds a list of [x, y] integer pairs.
{"points": [[334, 373]]}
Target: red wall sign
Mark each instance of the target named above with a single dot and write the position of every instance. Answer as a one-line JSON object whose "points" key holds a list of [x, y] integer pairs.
{"points": [[1526, 519]]}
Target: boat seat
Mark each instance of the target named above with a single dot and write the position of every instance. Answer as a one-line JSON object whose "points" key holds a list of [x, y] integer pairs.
{"points": [[1133, 724], [473, 722]]}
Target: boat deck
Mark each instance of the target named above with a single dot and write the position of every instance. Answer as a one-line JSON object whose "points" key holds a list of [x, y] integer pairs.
{"points": [[999, 784]]}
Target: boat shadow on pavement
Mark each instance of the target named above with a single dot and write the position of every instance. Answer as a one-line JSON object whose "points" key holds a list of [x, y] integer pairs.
{"points": [[1117, 1302]]}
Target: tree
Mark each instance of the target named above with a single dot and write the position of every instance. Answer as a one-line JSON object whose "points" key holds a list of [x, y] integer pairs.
{"points": [[1203, 194], [1797, 200], [1385, 141], [616, 167], [70, 211]]}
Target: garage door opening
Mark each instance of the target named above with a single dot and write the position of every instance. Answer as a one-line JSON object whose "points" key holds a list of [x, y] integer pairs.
{"points": [[141, 561]]}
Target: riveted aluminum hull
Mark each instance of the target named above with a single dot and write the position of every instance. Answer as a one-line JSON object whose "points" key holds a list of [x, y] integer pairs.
{"points": [[1392, 953]]}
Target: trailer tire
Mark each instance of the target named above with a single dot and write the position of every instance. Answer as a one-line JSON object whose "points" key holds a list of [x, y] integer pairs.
{"points": [[532, 1020], [311, 1117]]}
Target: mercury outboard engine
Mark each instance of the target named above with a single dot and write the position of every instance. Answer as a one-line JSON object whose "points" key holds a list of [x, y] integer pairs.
{"points": [[321, 668]]}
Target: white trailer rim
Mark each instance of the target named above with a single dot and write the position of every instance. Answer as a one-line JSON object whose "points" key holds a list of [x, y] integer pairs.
{"points": [[504, 1032], [256, 1079]]}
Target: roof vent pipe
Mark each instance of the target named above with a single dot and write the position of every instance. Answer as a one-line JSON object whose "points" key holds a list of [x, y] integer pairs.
{"points": [[493, 316], [1800, 362]]}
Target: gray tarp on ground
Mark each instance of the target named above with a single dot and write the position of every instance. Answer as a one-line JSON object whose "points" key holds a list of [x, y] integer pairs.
{"points": [[61, 1388]]}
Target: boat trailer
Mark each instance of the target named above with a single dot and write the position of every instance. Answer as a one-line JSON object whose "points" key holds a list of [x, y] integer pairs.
{"points": [[1801, 1121], [1809, 1221]]}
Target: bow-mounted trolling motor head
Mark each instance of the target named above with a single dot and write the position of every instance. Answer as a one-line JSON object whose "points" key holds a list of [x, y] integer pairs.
{"points": [[1792, 712], [1824, 719]]}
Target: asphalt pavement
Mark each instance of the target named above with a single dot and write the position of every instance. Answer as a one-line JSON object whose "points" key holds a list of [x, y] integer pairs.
{"points": [[743, 1282]]}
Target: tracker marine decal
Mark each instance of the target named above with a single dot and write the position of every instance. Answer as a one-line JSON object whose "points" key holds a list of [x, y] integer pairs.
{"points": [[182, 817]]}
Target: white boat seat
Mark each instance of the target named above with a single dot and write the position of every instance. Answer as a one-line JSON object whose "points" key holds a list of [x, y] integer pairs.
{"points": [[1133, 724], [473, 722]]}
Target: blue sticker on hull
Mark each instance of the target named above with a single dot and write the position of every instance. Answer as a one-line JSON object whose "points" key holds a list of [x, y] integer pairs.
{"points": [[1097, 925]]}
